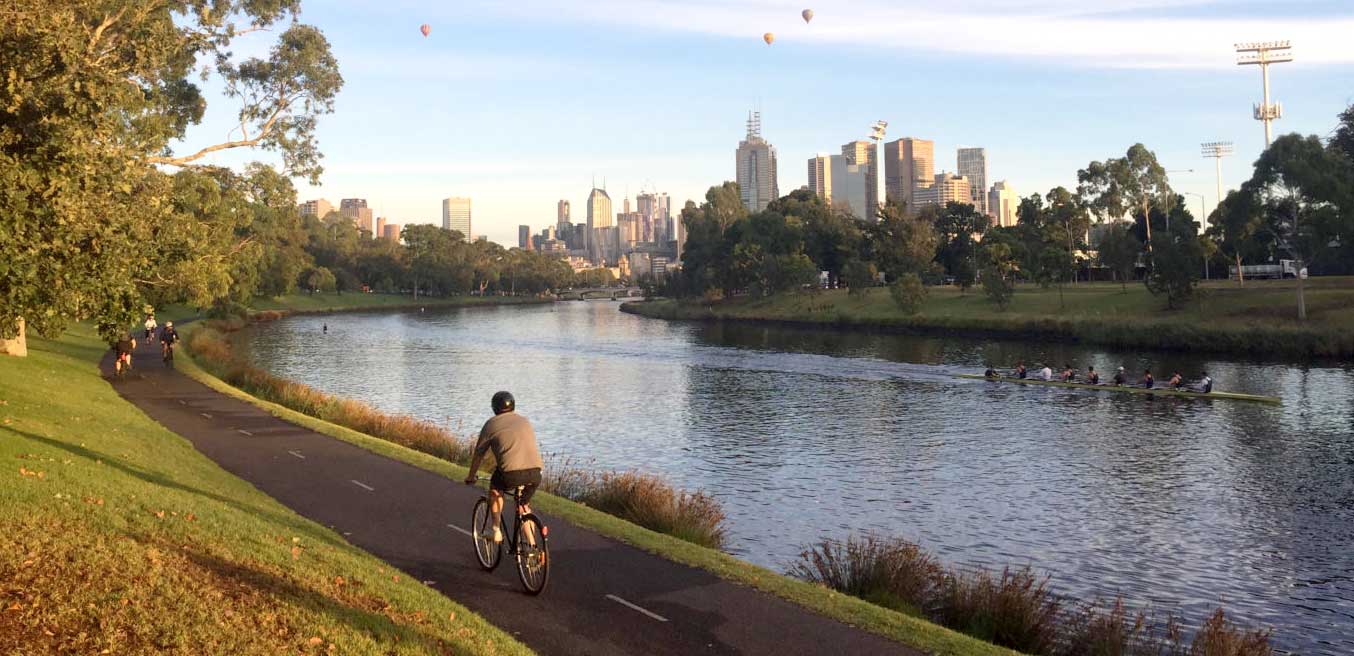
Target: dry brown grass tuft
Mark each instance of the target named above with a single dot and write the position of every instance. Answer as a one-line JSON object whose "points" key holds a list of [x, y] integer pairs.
{"points": [[1015, 609]]}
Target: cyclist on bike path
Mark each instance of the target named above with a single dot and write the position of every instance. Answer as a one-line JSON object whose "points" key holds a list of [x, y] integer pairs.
{"points": [[510, 437], [168, 336]]}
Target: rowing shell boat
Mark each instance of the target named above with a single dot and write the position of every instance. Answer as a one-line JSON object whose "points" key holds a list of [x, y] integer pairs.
{"points": [[1155, 391]]}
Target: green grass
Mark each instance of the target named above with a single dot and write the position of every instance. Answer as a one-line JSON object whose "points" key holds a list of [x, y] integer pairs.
{"points": [[116, 536], [330, 302], [1261, 317], [889, 623]]}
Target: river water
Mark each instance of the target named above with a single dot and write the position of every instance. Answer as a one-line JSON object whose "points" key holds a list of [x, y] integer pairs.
{"points": [[810, 434]]}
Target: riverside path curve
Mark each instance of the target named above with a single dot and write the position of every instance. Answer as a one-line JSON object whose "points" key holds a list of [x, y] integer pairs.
{"points": [[605, 597]]}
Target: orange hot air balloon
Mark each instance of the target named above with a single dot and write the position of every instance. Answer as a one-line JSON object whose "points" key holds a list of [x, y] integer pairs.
{"points": [[769, 38], [425, 29], [807, 14]]}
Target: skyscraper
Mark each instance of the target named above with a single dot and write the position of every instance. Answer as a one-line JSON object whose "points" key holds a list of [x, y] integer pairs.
{"points": [[318, 208], [820, 177], [380, 230], [865, 154], [973, 165], [849, 190], [599, 216], [456, 215], [356, 210], [948, 188], [524, 237], [756, 167], [909, 165], [1002, 203], [348, 204], [391, 231]]}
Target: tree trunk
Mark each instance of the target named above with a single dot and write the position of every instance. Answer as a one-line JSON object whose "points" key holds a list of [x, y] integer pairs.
{"points": [[1147, 223], [1240, 276], [1302, 300], [17, 347]]}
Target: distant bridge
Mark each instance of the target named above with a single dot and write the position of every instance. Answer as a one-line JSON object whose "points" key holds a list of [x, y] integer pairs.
{"points": [[598, 293]]}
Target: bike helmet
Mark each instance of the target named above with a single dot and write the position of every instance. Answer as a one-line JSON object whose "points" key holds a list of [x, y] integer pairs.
{"points": [[503, 402]]}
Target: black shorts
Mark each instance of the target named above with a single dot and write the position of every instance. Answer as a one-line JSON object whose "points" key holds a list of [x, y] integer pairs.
{"points": [[528, 479]]}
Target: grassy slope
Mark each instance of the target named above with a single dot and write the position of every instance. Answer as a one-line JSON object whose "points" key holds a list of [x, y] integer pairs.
{"points": [[892, 624], [115, 534], [336, 302], [1223, 316]]}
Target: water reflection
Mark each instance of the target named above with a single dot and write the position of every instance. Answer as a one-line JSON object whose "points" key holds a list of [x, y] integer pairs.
{"points": [[810, 434]]}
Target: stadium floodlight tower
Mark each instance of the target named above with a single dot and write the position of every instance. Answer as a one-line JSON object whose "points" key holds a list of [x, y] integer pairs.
{"points": [[1217, 150], [1263, 54]]}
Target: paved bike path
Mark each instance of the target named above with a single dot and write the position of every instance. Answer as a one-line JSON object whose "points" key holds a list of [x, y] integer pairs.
{"points": [[604, 597]]}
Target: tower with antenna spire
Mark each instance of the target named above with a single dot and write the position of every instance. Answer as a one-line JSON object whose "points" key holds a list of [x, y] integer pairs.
{"points": [[756, 167]]}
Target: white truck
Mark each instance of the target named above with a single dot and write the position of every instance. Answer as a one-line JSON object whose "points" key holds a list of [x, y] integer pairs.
{"points": [[1284, 269]]}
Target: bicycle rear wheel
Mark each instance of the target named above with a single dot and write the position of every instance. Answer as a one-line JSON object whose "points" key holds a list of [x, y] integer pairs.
{"points": [[533, 555], [488, 552]]}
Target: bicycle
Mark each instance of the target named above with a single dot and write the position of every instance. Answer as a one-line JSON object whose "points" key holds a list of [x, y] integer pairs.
{"points": [[168, 354], [527, 543]]}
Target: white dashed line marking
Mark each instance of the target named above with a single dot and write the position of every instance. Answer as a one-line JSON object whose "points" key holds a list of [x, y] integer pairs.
{"points": [[363, 485], [461, 530], [182, 402], [646, 611], [205, 415], [298, 455], [244, 432]]}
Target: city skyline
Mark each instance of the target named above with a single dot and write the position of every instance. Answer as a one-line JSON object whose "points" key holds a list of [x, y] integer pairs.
{"points": [[1110, 89]]}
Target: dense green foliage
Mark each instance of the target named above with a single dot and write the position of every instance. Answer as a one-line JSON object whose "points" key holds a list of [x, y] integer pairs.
{"points": [[95, 94]]}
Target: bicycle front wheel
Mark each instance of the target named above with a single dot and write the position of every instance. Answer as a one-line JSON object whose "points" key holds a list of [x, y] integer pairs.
{"points": [[488, 552], [533, 555]]}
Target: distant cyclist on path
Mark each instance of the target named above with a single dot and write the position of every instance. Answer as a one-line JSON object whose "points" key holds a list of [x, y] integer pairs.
{"points": [[168, 337], [511, 438]]}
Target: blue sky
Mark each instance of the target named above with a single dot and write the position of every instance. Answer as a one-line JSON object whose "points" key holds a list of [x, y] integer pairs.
{"points": [[520, 104]]}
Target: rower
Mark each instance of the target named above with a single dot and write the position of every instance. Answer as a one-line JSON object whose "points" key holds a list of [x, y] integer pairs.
{"points": [[1046, 373], [1176, 380], [1020, 370], [1120, 377], [1091, 376], [1147, 380], [990, 373], [1068, 374], [1205, 385]]}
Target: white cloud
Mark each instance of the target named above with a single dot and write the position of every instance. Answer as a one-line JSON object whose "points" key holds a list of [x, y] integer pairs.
{"points": [[1110, 33]]}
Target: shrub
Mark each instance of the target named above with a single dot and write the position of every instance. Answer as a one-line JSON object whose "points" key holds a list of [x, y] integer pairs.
{"points": [[890, 572], [1016, 610], [908, 293], [998, 288]]}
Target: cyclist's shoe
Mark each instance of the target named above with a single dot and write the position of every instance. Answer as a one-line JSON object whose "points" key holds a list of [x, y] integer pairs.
{"points": [[498, 535]]}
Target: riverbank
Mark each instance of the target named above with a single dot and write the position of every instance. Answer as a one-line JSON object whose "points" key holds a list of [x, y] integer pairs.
{"points": [[1223, 318], [116, 535], [898, 626]]}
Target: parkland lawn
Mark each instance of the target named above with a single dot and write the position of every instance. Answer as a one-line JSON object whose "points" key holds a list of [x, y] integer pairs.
{"points": [[1259, 317], [116, 536]]}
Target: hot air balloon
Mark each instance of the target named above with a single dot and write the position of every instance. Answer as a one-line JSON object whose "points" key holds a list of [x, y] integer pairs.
{"points": [[769, 38], [807, 14], [425, 29]]}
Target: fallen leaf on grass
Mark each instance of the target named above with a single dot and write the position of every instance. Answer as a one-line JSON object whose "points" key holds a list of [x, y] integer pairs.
{"points": [[16, 606], [315, 641], [190, 517], [160, 514], [338, 580], [295, 553], [24, 471]]}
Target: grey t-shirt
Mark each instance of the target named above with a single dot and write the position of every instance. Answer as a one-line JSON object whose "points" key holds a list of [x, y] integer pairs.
{"points": [[512, 440]]}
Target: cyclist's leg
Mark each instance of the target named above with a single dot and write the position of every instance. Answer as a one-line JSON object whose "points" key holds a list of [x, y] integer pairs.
{"points": [[496, 487]]}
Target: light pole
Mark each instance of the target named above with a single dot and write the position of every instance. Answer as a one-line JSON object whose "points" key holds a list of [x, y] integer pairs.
{"points": [[1217, 150], [1168, 206], [1203, 212], [877, 136], [1263, 54]]}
